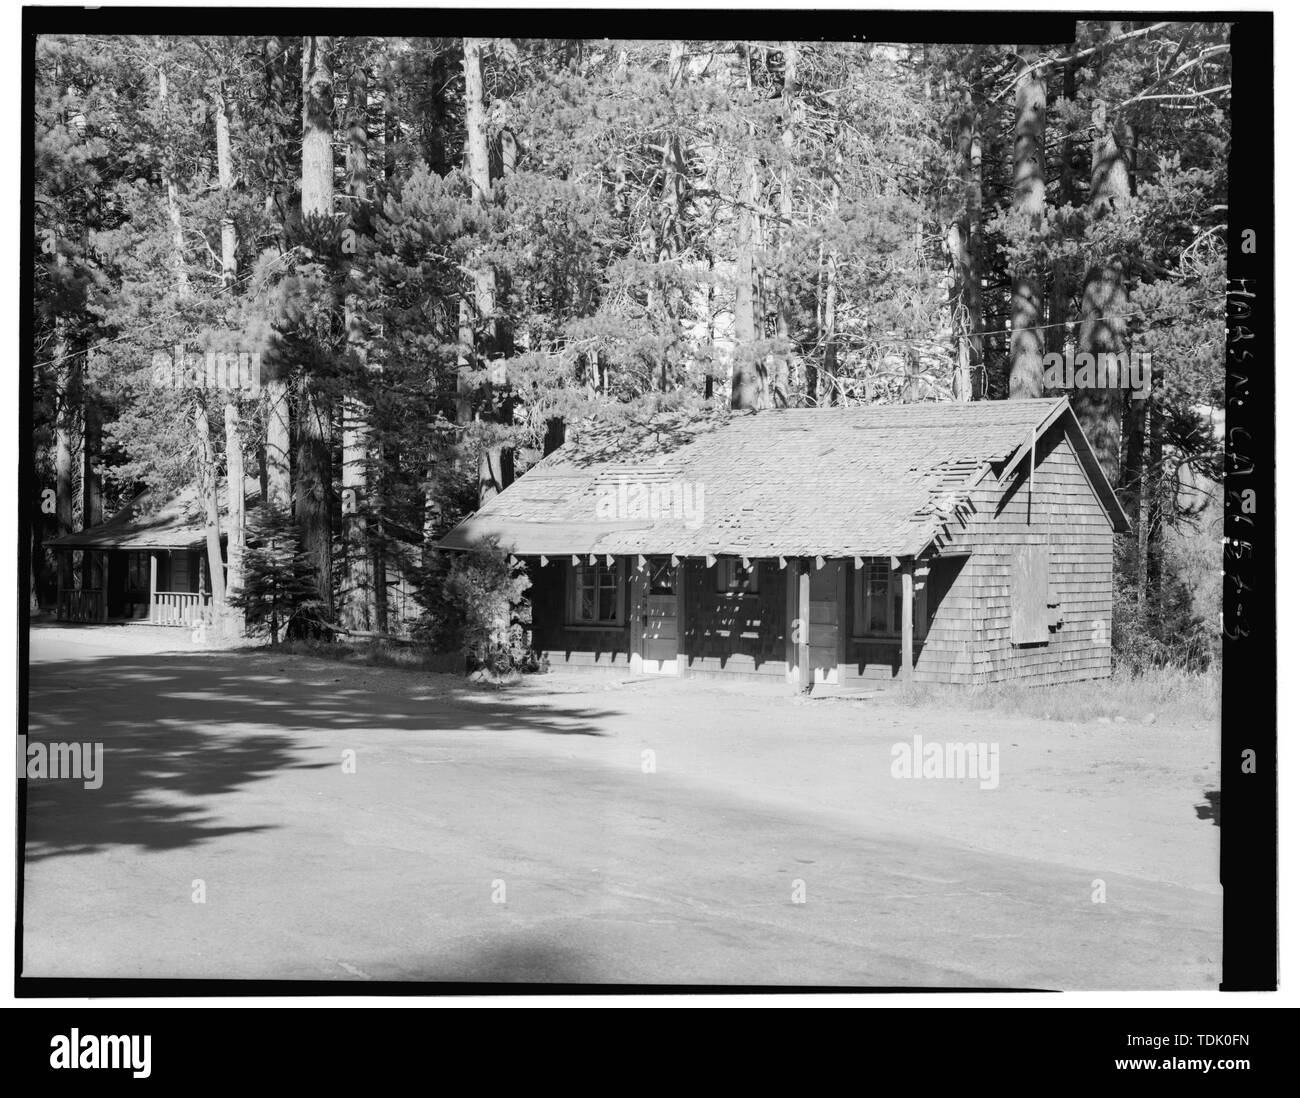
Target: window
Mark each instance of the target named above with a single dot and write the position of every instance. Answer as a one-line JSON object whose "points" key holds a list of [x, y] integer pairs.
{"points": [[735, 578], [661, 576], [878, 601], [137, 571], [594, 595]]}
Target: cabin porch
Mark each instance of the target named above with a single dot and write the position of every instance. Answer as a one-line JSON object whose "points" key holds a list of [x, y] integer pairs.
{"points": [[158, 586], [812, 622]]}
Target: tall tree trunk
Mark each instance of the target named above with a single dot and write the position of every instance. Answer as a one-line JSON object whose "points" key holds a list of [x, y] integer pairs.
{"points": [[1105, 303], [276, 452], [206, 462], [1132, 496], [315, 489], [358, 603], [236, 518], [959, 308], [478, 156], [173, 206], [480, 174], [828, 390], [746, 380], [963, 290], [68, 398], [92, 494], [280, 106], [1059, 304], [208, 489], [785, 305], [279, 484], [1135, 412], [437, 116], [92, 499], [226, 181], [1030, 197], [746, 388], [392, 120], [1155, 493], [236, 532], [665, 245], [975, 253]]}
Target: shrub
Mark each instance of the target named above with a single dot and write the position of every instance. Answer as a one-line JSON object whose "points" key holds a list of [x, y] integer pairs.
{"points": [[469, 602], [1169, 631]]}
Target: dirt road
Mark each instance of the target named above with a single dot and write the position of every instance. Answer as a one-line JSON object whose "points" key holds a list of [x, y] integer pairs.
{"points": [[353, 824]]}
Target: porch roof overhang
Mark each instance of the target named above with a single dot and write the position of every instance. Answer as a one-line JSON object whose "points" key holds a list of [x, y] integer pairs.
{"points": [[141, 541], [175, 523], [531, 540]]}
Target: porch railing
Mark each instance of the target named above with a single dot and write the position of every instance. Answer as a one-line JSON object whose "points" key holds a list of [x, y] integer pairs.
{"points": [[85, 604], [180, 608]]}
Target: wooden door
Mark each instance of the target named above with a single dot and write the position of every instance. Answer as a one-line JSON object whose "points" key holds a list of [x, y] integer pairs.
{"points": [[656, 619], [824, 600]]}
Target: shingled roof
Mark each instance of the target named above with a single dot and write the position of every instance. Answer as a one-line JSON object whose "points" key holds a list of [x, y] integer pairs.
{"points": [[868, 481], [151, 522]]}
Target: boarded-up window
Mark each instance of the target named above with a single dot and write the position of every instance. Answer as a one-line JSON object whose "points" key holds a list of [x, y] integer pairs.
{"points": [[1029, 583]]}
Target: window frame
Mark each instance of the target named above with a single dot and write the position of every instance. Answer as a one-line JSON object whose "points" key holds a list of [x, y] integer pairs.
{"points": [[573, 595], [893, 593], [131, 562]]}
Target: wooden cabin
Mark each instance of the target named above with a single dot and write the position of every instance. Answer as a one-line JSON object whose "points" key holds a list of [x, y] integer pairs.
{"points": [[959, 543], [149, 563]]}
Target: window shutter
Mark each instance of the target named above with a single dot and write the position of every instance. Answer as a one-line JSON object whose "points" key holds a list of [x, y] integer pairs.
{"points": [[1029, 594]]}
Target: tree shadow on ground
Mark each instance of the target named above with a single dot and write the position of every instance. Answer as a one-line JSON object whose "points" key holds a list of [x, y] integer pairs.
{"points": [[180, 730], [1209, 810], [519, 959]]}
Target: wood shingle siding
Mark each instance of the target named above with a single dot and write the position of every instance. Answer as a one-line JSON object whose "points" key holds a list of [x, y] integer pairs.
{"points": [[1065, 515]]}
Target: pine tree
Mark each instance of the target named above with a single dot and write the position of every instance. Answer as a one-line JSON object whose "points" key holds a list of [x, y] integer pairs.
{"points": [[279, 589]]}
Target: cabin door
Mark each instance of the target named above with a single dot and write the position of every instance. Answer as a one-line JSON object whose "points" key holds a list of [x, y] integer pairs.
{"points": [[656, 617], [825, 599]]}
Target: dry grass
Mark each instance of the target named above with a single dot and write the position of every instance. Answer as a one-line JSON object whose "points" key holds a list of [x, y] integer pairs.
{"points": [[1166, 694], [403, 657]]}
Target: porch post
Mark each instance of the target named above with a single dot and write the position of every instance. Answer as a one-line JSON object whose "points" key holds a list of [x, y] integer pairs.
{"points": [[842, 621], [905, 656], [636, 633], [805, 623], [153, 583], [103, 586], [58, 583], [791, 618], [680, 592]]}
